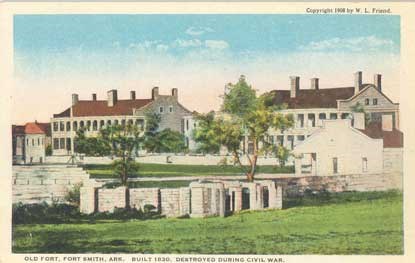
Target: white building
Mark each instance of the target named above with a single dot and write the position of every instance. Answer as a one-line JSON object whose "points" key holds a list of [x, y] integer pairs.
{"points": [[95, 114], [29, 142]]}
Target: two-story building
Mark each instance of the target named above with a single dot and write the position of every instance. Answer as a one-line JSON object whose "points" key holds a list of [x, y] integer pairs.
{"points": [[95, 114]]}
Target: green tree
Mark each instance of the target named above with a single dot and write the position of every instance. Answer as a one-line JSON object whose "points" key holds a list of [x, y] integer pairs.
{"points": [[204, 134], [244, 115], [123, 140], [282, 154], [91, 146]]}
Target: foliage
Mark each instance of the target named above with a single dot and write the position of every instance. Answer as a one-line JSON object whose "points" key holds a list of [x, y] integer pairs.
{"points": [[162, 141], [48, 150], [282, 154], [345, 224], [166, 141], [55, 213], [204, 134], [73, 196], [124, 141], [244, 115], [91, 146]]}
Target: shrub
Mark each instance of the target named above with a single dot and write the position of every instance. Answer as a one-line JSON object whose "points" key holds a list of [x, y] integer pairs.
{"points": [[73, 197], [44, 213]]}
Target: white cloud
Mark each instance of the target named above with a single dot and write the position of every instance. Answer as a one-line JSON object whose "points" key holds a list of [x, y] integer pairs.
{"points": [[216, 44], [358, 44], [184, 43], [197, 31], [162, 47]]}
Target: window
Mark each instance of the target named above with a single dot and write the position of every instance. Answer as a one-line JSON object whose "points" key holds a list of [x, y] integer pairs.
{"points": [[123, 123], [311, 120], [27, 142], [61, 126], [55, 126], [271, 139], [333, 116], [68, 126], [116, 122], [335, 165], [75, 126], [95, 125], [82, 124], [55, 143], [367, 102], [108, 122], [300, 137], [161, 109], [62, 143], [375, 101], [38, 141], [345, 115], [88, 125], [101, 123], [33, 142], [290, 139], [130, 122], [171, 109], [68, 144], [300, 122], [187, 125], [364, 164], [280, 140], [322, 116]]}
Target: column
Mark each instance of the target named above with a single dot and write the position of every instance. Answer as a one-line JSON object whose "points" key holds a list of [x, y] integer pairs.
{"points": [[238, 199]]}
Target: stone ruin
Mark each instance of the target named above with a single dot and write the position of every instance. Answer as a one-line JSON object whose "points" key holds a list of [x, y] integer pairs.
{"points": [[200, 199]]}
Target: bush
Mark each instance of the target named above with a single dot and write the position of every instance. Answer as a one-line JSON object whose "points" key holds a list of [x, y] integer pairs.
{"points": [[74, 196], [44, 213]]}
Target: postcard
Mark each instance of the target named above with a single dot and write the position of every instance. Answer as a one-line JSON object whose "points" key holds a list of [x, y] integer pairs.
{"points": [[206, 132]]}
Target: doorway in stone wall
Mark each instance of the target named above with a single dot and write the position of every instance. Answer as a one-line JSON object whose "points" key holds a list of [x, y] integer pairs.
{"points": [[245, 198], [265, 196]]}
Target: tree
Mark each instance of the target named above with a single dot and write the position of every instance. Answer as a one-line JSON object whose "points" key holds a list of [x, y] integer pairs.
{"points": [[123, 140], [282, 154], [204, 135], [165, 140], [244, 115], [91, 146]]}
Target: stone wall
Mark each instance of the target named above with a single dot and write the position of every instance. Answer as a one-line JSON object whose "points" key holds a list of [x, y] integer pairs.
{"points": [[109, 199], [140, 197], [393, 160], [296, 186], [175, 201]]}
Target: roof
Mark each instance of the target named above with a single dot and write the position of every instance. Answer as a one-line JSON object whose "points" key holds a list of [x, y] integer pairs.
{"points": [[101, 108], [391, 139], [31, 128], [311, 98]]}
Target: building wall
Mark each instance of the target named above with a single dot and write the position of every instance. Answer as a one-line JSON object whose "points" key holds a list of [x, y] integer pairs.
{"points": [[339, 140], [170, 110], [393, 160], [35, 148]]}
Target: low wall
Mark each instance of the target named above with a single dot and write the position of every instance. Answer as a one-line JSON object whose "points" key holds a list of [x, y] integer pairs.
{"points": [[140, 197], [109, 199], [175, 201], [296, 186]]}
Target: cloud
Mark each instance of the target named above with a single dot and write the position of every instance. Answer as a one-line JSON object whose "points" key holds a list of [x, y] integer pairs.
{"points": [[216, 44], [184, 43], [197, 31], [358, 44]]}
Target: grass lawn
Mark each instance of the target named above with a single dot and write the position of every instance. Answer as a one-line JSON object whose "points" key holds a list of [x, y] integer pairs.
{"points": [[166, 170], [347, 223]]}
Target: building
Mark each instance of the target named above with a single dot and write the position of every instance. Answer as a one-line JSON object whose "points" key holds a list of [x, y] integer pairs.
{"points": [[29, 142], [95, 114], [310, 107]]}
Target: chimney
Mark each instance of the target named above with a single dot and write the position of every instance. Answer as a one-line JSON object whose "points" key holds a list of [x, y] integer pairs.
{"points": [[94, 96], [314, 83], [378, 81], [295, 86], [132, 95], [75, 99], [387, 122], [154, 93], [357, 81], [174, 93], [112, 97]]}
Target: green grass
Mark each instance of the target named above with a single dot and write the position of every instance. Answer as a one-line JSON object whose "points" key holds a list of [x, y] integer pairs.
{"points": [[170, 170], [347, 223]]}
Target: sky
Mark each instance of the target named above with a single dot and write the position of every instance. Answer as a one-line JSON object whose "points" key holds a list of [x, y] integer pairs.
{"points": [[57, 55]]}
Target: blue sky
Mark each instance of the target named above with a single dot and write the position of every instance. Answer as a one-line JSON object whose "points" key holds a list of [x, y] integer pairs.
{"points": [[91, 53]]}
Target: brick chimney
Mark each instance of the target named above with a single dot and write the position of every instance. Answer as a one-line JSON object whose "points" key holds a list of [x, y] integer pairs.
{"points": [[358, 79], [112, 97], [75, 99], [295, 86], [314, 84], [94, 96], [378, 81], [175, 93], [154, 93], [132, 95]]}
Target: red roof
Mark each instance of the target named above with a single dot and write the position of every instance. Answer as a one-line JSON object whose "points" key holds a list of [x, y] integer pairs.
{"points": [[101, 108], [310, 98], [391, 139], [31, 128]]}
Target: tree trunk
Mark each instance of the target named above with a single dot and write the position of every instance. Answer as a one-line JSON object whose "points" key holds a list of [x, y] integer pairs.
{"points": [[250, 177]]}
